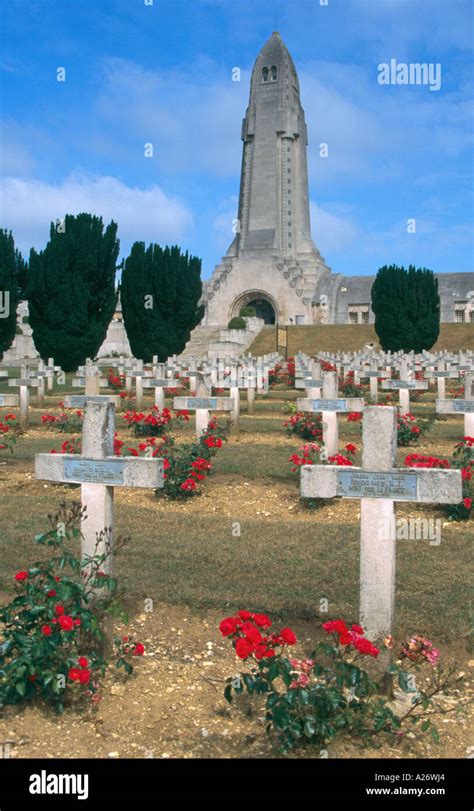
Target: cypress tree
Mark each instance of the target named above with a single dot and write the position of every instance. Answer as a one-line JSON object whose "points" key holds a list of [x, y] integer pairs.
{"points": [[71, 289], [406, 305], [12, 266], [160, 291]]}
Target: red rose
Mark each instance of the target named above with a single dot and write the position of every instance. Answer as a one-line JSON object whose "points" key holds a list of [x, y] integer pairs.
{"points": [[83, 661], [288, 636], [244, 615], [51, 593], [358, 629], [84, 676], [262, 620], [228, 626], [77, 622], [125, 639], [139, 649], [366, 647], [66, 623], [46, 630], [243, 648], [345, 639], [251, 632], [74, 673], [58, 609], [336, 626], [20, 576], [467, 503]]}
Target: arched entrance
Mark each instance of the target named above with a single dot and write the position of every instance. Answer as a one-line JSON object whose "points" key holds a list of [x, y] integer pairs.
{"points": [[264, 305], [264, 309]]}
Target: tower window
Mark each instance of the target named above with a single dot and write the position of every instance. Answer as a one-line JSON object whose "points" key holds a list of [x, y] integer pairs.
{"points": [[265, 75], [274, 73]]}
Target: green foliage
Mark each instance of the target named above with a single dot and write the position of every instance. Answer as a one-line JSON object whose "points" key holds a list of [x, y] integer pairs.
{"points": [[8, 432], [248, 312], [186, 464], [406, 304], [160, 291], [463, 460], [71, 290], [236, 323], [313, 701], [53, 639], [12, 266]]}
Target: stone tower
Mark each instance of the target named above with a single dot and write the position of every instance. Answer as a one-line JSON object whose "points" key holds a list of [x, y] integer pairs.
{"points": [[272, 263]]}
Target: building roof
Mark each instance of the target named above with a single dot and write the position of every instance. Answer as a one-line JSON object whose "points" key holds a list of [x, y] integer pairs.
{"points": [[274, 52]]}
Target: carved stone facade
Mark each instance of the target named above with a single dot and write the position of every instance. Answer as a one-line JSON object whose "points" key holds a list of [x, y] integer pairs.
{"points": [[273, 263]]}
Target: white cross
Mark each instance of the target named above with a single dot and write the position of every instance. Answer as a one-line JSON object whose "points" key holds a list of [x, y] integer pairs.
{"points": [[404, 385], [24, 382], [202, 404], [160, 384], [378, 484], [465, 406], [330, 405], [98, 471]]}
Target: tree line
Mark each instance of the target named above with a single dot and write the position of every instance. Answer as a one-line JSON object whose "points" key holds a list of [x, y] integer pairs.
{"points": [[72, 293]]}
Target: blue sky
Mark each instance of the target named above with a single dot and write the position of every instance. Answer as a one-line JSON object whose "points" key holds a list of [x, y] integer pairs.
{"points": [[162, 74]]}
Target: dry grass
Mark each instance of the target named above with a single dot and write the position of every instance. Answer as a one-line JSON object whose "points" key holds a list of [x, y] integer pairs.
{"points": [[287, 557], [351, 338]]}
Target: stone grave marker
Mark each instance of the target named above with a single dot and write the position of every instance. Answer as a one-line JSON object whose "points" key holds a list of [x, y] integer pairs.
{"points": [[202, 404], [404, 385], [24, 383], [465, 406], [98, 472], [378, 485], [330, 405]]}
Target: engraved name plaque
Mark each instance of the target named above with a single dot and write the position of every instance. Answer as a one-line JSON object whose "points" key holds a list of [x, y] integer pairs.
{"points": [[97, 471], [162, 383], [201, 402], [367, 484], [308, 383], [463, 406], [329, 405], [76, 400]]}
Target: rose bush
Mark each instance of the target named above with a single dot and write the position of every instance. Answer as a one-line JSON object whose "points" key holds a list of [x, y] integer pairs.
{"points": [[311, 700], [8, 432], [306, 426], [68, 422], [462, 459], [53, 643], [155, 422]]}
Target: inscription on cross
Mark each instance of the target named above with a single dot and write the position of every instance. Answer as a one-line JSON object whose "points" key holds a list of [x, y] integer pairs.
{"points": [[465, 406], [379, 485], [329, 406], [98, 471]]}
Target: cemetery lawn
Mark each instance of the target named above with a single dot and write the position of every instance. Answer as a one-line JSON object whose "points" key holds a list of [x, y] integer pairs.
{"points": [[188, 559], [351, 338]]}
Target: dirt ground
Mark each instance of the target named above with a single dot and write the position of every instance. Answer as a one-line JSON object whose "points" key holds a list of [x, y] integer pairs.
{"points": [[173, 706]]}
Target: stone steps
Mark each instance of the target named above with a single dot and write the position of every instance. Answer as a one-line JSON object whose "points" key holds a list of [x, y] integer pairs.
{"points": [[200, 339]]}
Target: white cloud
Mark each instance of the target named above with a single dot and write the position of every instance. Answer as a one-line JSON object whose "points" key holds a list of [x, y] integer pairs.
{"points": [[222, 224], [331, 232], [192, 117], [142, 214]]}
